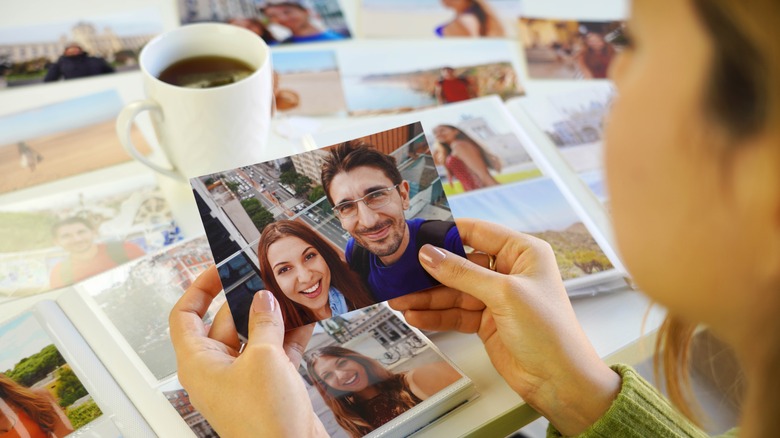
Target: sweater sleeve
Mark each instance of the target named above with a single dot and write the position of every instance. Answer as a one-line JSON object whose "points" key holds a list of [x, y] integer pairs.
{"points": [[639, 411]]}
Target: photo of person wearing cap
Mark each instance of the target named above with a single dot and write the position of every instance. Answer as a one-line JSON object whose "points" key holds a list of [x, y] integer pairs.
{"points": [[300, 20]]}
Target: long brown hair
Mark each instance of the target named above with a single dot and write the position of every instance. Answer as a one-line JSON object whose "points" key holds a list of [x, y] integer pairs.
{"points": [[36, 406], [463, 136], [742, 97], [341, 277], [344, 404]]}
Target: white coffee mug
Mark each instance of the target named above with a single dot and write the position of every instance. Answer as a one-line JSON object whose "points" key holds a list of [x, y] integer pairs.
{"points": [[203, 130]]}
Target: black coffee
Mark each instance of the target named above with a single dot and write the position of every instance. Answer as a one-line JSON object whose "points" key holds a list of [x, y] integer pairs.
{"points": [[205, 72]]}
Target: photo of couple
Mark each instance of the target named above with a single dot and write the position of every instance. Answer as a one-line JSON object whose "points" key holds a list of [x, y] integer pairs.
{"points": [[275, 21], [353, 241]]}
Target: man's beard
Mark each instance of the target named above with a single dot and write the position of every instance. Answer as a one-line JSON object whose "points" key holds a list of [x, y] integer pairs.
{"points": [[389, 245]]}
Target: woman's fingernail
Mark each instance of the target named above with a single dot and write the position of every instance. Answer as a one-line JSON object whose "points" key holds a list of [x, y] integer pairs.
{"points": [[431, 256], [263, 301]]}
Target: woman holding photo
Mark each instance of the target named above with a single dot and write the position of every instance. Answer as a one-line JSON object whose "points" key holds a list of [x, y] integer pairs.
{"points": [[702, 146], [30, 413], [306, 274], [363, 394], [464, 159], [473, 18]]}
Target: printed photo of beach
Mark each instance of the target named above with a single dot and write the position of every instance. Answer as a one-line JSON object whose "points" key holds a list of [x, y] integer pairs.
{"points": [[75, 48], [384, 77], [308, 83], [62, 139]]}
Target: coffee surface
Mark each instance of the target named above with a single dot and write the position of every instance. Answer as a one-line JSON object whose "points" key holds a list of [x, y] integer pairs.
{"points": [[205, 72]]}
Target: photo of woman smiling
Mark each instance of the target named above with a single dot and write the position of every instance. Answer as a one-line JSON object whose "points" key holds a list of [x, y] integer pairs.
{"points": [[363, 394], [307, 275]]}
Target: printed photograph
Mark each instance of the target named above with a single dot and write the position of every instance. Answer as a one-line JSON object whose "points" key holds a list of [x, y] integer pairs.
{"points": [[331, 230], [394, 78], [567, 49], [52, 242], [574, 122], [474, 146], [367, 367], [439, 18], [40, 395], [76, 48], [62, 139], [138, 297], [180, 400], [537, 207], [275, 21], [308, 83]]}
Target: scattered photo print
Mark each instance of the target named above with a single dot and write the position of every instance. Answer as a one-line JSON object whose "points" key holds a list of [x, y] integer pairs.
{"points": [[325, 247], [62, 139], [308, 83], [52, 242], [439, 19], [567, 49], [362, 370], [275, 21], [77, 48]]}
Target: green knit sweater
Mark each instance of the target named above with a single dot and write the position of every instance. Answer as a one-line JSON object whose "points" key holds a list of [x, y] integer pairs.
{"points": [[640, 411]]}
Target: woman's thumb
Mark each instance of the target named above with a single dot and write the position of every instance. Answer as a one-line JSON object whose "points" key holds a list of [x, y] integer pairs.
{"points": [[459, 273], [265, 320]]}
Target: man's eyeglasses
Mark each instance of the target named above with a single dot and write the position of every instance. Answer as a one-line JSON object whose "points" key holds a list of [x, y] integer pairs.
{"points": [[374, 200]]}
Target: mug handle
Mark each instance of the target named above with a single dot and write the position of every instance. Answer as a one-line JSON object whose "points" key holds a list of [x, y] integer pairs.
{"points": [[124, 124]]}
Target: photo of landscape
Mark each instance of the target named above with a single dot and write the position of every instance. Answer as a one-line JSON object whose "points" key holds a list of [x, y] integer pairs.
{"points": [[540, 209]]}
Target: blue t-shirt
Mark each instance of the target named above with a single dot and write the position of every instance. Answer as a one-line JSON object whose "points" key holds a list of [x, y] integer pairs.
{"points": [[338, 304], [326, 35], [406, 275]]}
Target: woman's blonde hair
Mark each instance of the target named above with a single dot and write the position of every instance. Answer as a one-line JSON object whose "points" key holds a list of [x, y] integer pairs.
{"points": [[741, 97], [35, 405]]}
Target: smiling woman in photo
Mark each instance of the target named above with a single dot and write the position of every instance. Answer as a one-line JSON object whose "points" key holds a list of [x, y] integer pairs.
{"points": [[363, 394], [25, 412], [306, 274]]}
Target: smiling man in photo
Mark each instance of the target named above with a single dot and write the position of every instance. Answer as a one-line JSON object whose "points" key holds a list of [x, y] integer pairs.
{"points": [[369, 197]]}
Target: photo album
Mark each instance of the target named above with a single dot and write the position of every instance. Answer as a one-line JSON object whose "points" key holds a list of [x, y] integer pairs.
{"points": [[496, 162], [101, 354]]}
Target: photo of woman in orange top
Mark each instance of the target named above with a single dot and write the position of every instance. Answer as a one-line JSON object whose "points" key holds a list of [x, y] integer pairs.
{"points": [[30, 413]]}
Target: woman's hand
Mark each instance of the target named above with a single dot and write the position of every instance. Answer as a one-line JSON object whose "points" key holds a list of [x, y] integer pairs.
{"points": [[256, 393], [523, 316]]}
